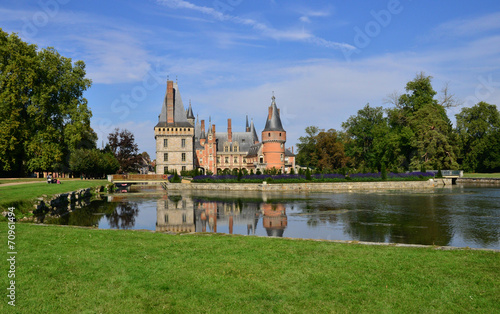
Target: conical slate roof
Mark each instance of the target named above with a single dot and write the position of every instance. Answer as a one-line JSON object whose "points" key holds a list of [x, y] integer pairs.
{"points": [[179, 111], [254, 133], [274, 123], [190, 114]]}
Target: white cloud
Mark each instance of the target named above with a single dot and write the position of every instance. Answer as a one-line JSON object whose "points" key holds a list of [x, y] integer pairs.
{"points": [[265, 30]]}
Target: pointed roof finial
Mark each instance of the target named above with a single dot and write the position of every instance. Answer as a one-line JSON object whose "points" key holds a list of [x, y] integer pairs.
{"points": [[168, 77], [189, 112], [176, 79]]}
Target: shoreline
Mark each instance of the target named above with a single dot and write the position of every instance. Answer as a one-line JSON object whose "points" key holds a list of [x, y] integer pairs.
{"points": [[352, 242], [314, 186]]}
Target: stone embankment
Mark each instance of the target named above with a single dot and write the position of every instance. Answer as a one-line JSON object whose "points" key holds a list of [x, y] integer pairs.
{"points": [[316, 186], [488, 181], [60, 204]]}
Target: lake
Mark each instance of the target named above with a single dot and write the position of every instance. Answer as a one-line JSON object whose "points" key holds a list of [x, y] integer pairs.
{"points": [[461, 216]]}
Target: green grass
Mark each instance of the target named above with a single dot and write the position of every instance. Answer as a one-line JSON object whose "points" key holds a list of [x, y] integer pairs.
{"points": [[481, 175], [22, 194], [65, 269]]}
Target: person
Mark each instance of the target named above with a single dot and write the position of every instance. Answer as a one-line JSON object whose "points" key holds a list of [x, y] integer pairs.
{"points": [[49, 179], [58, 182]]}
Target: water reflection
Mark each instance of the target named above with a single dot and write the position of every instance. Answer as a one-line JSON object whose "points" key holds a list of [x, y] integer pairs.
{"points": [[462, 216]]}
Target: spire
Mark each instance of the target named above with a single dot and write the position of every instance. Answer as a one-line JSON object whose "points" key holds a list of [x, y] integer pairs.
{"points": [[247, 128], [197, 128], [254, 133], [273, 122], [190, 114]]}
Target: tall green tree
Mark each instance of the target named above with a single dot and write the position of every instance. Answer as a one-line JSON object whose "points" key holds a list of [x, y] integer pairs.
{"points": [[43, 113], [18, 63], [367, 131], [421, 128], [478, 129], [434, 140]]}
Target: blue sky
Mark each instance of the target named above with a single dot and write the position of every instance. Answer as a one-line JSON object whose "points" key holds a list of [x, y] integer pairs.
{"points": [[324, 60]]}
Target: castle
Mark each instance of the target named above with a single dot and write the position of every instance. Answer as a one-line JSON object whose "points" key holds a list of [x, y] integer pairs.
{"points": [[182, 144]]}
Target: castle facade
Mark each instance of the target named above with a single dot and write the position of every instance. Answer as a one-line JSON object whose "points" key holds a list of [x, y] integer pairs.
{"points": [[184, 143]]}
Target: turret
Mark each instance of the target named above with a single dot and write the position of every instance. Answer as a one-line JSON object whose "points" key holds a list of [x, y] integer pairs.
{"points": [[190, 115], [273, 139]]}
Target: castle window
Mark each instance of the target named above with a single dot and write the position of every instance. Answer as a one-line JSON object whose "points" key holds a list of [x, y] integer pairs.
{"points": [[218, 159], [226, 160], [165, 143], [184, 218], [236, 149], [244, 160], [280, 134], [183, 157], [166, 218], [269, 134], [235, 160], [183, 168], [281, 157], [281, 145], [226, 148], [165, 170], [165, 157], [183, 143]]}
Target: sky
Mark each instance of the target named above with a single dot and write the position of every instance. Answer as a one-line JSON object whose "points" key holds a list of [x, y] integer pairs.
{"points": [[323, 60]]}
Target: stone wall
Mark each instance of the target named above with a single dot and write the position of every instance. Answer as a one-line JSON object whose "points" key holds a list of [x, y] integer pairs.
{"points": [[316, 187], [495, 181]]}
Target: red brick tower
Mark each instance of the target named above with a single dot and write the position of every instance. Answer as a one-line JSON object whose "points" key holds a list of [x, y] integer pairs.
{"points": [[273, 139]]}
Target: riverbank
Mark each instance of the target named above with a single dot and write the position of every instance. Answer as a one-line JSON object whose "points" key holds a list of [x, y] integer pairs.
{"points": [[314, 186], [78, 270], [24, 196]]}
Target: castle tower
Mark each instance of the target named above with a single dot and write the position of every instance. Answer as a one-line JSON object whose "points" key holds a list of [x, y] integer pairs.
{"points": [[273, 139], [174, 134]]}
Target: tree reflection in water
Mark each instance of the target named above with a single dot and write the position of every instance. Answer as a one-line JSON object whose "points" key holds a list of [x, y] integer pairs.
{"points": [[123, 217]]}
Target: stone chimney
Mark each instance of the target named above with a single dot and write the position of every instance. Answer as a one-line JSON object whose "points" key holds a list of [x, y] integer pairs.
{"points": [[170, 102], [202, 133], [229, 131]]}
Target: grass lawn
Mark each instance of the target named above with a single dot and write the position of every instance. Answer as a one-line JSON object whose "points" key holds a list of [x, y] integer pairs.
{"points": [[481, 175], [66, 269], [26, 192]]}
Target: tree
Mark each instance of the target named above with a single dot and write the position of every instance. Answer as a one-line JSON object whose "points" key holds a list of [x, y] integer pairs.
{"points": [[43, 114], [478, 129], [122, 145], [307, 155], [366, 132], [92, 162], [421, 131], [434, 140], [330, 151]]}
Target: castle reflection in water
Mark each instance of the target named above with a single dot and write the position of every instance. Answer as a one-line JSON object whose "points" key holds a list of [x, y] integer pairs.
{"points": [[182, 213]]}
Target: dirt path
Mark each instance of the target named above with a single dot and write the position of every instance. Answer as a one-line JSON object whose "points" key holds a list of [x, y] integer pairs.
{"points": [[32, 182]]}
